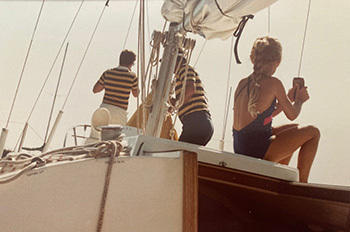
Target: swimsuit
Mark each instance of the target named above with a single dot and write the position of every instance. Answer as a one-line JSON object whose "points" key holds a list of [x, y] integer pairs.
{"points": [[254, 139]]}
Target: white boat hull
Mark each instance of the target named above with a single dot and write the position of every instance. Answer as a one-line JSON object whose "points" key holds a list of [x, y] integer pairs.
{"points": [[145, 194]]}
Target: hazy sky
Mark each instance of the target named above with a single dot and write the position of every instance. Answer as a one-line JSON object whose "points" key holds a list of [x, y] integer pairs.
{"points": [[324, 66]]}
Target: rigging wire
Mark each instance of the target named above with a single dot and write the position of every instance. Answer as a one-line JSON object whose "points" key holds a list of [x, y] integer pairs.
{"points": [[228, 97], [49, 73], [304, 38], [200, 53], [55, 96], [128, 32], [124, 45], [86, 50], [148, 27], [268, 20], [25, 62], [55, 60]]}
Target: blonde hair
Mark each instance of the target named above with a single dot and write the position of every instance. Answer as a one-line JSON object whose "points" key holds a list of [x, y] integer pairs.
{"points": [[265, 50]]}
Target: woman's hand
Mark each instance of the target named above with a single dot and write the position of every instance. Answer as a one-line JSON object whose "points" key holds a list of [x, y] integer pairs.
{"points": [[302, 94], [291, 92]]}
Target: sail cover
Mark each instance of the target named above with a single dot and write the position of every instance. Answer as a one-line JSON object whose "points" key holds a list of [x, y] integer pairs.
{"points": [[211, 18]]}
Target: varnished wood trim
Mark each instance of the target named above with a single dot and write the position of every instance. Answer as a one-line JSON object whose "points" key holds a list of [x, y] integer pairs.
{"points": [[268, 184], [347, 229], [190, 192]]}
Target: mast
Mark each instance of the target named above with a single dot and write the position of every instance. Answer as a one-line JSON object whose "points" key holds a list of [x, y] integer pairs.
{"points": [[161, 94], [3, 137], [141, 56]]}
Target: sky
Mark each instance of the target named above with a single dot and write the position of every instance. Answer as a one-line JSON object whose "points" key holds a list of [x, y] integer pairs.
{"points": [[324, 66]]}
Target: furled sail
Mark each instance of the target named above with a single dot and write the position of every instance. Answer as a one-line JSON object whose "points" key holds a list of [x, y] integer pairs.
{"points": [[211, 18]]}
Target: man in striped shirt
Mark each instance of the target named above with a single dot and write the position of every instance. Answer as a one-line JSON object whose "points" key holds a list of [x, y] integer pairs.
{"points": [[118, 83], [197, 127]]}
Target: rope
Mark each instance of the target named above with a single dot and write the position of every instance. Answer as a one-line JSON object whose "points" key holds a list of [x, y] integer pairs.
{"points": [[86, 50], [25, 63], [157, 39], [20, 163], [12, 178], [164, 26], [147, 20], [141, 49], [188, 46], [117, 146], [304, 38], [153, 62], [188, 49], [183, 23], [238, 33], [221, 11]]}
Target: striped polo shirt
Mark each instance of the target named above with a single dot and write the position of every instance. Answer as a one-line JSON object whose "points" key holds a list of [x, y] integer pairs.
{"points": [[198, 102], [118, 83]]}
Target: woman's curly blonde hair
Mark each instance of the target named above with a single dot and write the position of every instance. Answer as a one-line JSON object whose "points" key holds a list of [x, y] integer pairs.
{"points": [[265, 50]]}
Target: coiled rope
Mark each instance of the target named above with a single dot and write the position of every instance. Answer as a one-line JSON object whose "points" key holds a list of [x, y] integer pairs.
{"points": [[26, 162], [20, 163]]}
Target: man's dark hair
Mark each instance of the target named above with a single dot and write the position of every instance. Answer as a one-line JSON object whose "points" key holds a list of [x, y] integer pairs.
{"points": [[127, 58]]}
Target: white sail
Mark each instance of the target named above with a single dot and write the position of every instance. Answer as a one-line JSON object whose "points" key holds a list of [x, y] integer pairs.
{"points": [[211, 18]]}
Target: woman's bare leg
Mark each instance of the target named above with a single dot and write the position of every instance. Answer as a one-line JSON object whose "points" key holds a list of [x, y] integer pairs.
{"points": [[286, 161], [288, 141], [307, 155], [279, 129]]}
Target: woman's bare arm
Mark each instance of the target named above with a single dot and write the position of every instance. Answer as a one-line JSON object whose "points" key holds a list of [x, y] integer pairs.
{"points": [[291, 110]]}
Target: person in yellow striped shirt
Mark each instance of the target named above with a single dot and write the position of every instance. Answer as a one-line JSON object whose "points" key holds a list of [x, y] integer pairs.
{"points": [[197, 126], [118, 83]]}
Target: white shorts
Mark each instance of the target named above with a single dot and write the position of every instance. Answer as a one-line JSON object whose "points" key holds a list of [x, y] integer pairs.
{"points": [[118, 115]]}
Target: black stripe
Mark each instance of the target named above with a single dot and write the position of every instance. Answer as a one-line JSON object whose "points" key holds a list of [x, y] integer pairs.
{"points": [[198, 95], [178, 87], [119, 85], [111, 73], [117, 97], [191, 109], [198, 101], [113, 79], [115, 101], [118, 91]]}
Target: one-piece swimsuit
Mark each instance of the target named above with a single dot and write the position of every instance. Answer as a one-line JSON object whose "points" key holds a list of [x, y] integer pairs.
{"points": [[254, 139]]}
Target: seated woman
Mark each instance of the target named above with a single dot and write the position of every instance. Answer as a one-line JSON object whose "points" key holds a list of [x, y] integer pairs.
{"points": [[260, 97]]}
